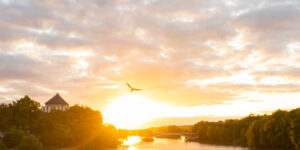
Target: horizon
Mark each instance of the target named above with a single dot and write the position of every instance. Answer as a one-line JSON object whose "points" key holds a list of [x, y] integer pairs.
{"points": [[169, 121], [197, 60]]}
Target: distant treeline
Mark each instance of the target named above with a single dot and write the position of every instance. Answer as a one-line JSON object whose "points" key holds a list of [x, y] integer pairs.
{"points": [[161, 129], [281, 130], [25, 127], [171, 128]]}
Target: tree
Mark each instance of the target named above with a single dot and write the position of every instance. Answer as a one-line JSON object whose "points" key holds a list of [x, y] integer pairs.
{"points": [[281, 130], [295, 128], [2, 146], [25, 113], [5, 117], [106, 138], [71, 127], [13, 137], [255, 134], [30, 143], [276, 130]]}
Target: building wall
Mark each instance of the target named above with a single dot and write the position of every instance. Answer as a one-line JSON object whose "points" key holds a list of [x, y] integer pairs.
{"points": [[50, 107]]}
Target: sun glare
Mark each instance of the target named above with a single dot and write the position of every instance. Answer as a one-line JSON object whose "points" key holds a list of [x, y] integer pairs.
{"points": [[132, 140], [130, 111]]}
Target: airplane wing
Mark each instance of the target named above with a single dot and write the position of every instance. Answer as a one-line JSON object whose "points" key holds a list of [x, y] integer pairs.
{"points": [[137, 89]]}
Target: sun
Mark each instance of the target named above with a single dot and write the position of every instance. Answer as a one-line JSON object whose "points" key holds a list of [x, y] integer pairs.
{"points": [[130, 111]]}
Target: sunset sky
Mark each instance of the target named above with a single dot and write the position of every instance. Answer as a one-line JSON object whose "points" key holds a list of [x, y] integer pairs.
{"points": [[194, 60]]}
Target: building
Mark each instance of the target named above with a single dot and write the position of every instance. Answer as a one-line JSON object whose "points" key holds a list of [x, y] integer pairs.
{"points": [[57, 103]]}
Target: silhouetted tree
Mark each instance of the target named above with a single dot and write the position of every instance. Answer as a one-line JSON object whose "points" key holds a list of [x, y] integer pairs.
{"points": [[55, 129], [13, 137], [295, 128], [30, 143], [276, 130], [5, 117], [281, 130], [69, 127], [2, 146], [254, 133], [25, 113], [107, 138]]}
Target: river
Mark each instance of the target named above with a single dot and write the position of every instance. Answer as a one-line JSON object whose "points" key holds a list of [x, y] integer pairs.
{"points": [[134, 143]]}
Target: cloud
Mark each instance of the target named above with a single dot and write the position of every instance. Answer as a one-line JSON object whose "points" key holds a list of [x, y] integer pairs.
{"points": [[272, 22], [82, 47], [18, 66]]}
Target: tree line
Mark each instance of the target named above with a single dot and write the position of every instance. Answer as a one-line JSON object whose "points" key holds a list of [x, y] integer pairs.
{"points": [[280, 130], [26, 127]]}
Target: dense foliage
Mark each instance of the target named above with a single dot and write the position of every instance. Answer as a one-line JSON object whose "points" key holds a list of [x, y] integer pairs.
{"points": [[22, 114], [281, 130], [295, 128], [13, 137], [106, 136], [30, 143], [71, 128], [2, 146]]}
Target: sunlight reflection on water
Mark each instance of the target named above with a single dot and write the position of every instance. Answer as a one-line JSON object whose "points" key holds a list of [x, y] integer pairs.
{"points": [[135, 143], [132, 140]]}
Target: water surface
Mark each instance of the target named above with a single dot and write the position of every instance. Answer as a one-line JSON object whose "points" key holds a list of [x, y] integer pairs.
{"points": [[134, 143]]}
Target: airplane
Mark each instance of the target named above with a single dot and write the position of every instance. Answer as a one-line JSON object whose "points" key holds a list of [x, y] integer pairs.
{"points": [[132, 89]]}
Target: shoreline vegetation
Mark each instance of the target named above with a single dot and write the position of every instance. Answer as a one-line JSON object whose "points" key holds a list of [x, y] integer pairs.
{"points": [[280, 130], [25, 127]]}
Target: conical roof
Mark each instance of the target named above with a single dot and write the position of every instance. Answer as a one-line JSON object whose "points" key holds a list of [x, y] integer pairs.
{"points": [[57, 99]]}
